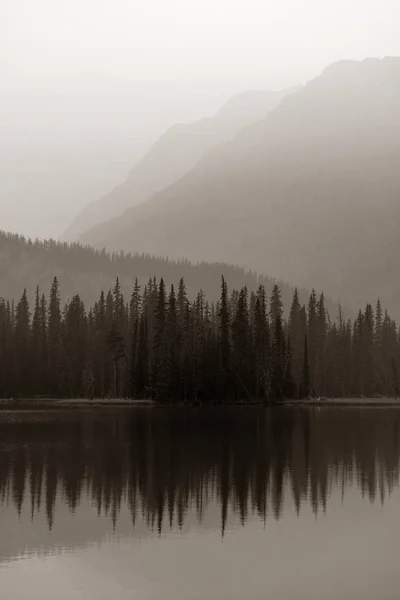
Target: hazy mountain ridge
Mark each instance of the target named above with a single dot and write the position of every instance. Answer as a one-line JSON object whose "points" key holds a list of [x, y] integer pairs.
{"points": [[310, 192], [174, 154]]}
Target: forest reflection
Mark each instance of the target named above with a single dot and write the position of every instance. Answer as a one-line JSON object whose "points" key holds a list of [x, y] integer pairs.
{"points": [[162, 463]]}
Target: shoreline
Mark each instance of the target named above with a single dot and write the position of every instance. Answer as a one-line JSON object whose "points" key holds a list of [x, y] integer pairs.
{"points": [[51, 403]]}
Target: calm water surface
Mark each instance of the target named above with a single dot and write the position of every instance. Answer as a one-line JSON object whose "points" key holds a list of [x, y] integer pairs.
{"points": [[279, 504]]}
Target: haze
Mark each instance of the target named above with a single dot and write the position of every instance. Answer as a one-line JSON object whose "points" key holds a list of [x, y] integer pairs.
{"points": [[86, 87], [199, 299]]}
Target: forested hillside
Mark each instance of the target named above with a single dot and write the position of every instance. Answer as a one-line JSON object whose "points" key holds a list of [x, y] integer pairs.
{"points": [[84, 271]]}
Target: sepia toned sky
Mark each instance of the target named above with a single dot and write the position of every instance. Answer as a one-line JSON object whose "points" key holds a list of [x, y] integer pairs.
{"points": [[229, 44], [87, 85]]}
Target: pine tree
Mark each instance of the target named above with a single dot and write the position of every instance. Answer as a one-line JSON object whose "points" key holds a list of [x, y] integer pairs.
{"points": [[278, 359], [5, 344], [195, 349], [162, 358], [261, 344], [182, 306], [116, 348], [99, 351], [320, 341], [118, 306], [332, 378], [23, 356], [289, 388], [378, 345], [210, 360], [305, 380], [378, 323], [135, 309], [241, 348], [297, 331], [312, 338], [39, 344], [182, 303], [368, 365], [7, 350], [43, 335], [395, 378], [389, 351], [120, 331], [224, 341], [173, 341], [88, 381], [54, 339], [142, 361], [160, 314], [275, 306], [358, 355], [74, 343], [37, 375]]}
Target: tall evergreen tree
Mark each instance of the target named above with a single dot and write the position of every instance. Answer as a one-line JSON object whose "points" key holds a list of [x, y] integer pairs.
{"points": [[39, 344], [368, 350], [54, 338], [358, 354], [297, 332], [275, 306], [305, 379], [320, 341], [162, 359], [142, 362], [261, 344], [224, 341], [23, 356], [135, 309], [173, 342], [312, 338], [74, 341], [241, 348], [278, 359]]}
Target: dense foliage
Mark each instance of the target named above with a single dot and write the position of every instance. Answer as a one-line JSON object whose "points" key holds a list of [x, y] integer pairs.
{"points": [[158, 344]]}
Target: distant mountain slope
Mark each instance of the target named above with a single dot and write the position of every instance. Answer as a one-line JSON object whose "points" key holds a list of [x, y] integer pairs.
{"points": [[175, 153], [85, 271], [311, 192]]}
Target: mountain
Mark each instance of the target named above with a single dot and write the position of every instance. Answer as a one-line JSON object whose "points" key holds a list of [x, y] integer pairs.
{"points": [[174, 154], [85, 271], [310, 192]]}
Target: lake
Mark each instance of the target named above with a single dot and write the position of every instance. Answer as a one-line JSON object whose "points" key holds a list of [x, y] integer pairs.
{"points": [[234, 503]]}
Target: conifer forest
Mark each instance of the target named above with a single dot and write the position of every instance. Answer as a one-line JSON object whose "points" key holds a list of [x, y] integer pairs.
{"points": [[160, 345]]}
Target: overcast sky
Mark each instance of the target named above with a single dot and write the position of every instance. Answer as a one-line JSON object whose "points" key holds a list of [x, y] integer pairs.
{"points": [[230, 44], [107, 76]]}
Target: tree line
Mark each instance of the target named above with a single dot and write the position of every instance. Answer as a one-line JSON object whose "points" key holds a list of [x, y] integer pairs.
{"points": [[84, 270], [158, 344]]}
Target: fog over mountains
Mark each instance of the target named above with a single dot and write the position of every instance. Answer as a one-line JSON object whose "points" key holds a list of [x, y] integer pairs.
{"points": [[174, 154], [309, 193], [66, 139]]}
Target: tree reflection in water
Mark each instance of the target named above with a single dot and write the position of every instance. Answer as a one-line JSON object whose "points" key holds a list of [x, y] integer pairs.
{"points": [[163, 462]]}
